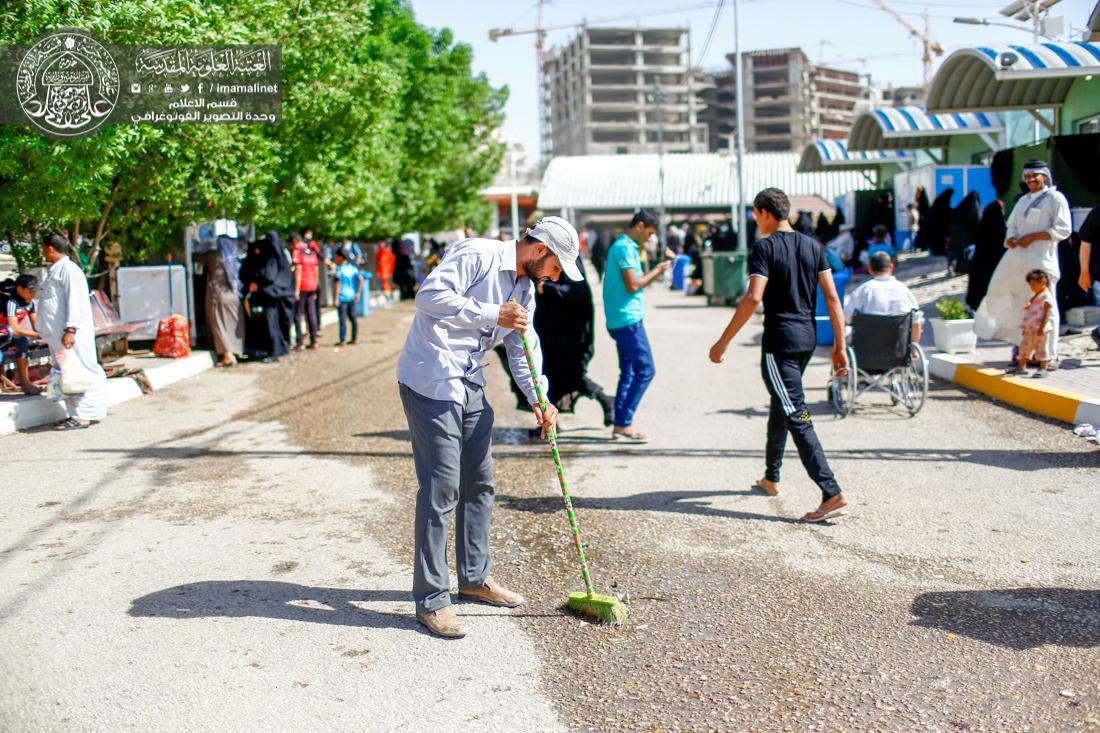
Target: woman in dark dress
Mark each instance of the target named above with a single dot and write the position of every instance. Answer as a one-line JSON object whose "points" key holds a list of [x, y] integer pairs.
{"points": [[404, 273], [266, 281], [989, 246], [564, 322]]}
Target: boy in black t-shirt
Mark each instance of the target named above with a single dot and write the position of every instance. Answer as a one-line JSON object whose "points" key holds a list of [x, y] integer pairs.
{"points": [[785, 270]]}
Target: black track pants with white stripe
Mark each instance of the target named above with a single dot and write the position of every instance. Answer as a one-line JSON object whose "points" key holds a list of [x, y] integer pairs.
{"points": [[783, 377]]}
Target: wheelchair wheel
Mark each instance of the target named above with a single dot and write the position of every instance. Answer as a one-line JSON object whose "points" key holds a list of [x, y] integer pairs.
{"points": [[914, 382], [842, 390]]}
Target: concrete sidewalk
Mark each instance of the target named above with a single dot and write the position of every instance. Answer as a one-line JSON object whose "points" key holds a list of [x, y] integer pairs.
{"points": [[1070, 394], [21, 412]]}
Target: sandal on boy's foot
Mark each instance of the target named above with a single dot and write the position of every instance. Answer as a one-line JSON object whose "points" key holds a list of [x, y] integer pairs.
{"points": [[631, 437], [820, 515], [1015, 371], [1041, 374], [772, 490], [31, 389], [71, 424], [834, 510]]}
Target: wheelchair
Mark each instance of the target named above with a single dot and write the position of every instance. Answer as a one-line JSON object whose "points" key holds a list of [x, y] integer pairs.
{"points": [[884, 357]]}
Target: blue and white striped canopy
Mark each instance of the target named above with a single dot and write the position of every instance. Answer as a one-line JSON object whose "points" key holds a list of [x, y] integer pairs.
{"points": [[908, 128], [991, 78], [834, 155]]}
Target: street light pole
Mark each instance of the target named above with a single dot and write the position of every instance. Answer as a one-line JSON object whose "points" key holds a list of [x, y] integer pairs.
{"points": [[742, 235], [512, 181], [662, 233]]}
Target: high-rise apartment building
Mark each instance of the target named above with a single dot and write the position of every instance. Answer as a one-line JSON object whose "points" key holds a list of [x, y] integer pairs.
{"points": [[599, 93], [789, 102]]}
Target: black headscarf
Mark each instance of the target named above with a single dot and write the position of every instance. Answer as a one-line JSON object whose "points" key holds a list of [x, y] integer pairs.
{"points": [[266, 265], [935, 228], [964, 229]]}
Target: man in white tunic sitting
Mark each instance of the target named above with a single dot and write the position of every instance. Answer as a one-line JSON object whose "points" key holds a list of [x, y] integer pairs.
{"points": [[1038, 222], [65, 322]]}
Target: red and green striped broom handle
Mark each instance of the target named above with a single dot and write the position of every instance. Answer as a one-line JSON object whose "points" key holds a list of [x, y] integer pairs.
{"points": [[551, 436]]}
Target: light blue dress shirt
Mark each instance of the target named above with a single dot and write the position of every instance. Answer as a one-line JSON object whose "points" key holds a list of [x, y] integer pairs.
{"points": [[455, 325]]}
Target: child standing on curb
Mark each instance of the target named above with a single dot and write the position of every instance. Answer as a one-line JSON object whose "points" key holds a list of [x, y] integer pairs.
{"points": [[347, 289], [1038, 321]]}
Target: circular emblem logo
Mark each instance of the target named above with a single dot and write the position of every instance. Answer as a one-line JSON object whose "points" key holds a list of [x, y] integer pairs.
{"points": [[67, 84]]}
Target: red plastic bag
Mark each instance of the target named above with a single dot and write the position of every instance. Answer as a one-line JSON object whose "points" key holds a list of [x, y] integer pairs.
{"points": [[173, 338]]}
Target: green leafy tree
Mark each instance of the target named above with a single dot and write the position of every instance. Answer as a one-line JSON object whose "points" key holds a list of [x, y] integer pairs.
{"points": [[384, 129]]}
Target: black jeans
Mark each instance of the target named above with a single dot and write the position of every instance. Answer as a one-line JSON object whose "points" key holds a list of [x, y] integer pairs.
{"points": [[306, 305], [346, 311], [783, 377]]}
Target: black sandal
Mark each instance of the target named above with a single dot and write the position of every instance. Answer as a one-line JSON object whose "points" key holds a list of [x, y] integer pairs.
{"points": [[72, 424]]}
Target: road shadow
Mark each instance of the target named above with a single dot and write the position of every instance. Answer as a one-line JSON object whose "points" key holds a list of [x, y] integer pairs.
{"points": [[1017, 618], [679, 502], [1023, 461], [501, 435], [272, 599]]}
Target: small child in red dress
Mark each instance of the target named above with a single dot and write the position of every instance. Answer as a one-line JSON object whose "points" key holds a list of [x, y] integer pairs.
{"points": [[1036, 324]]}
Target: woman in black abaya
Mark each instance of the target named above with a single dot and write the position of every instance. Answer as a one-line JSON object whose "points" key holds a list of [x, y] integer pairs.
{"points": [[964, 228], [266, 281], [564, 322], [989, 247]]}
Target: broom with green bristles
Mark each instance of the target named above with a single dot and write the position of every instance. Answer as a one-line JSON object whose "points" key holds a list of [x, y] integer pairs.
{"points": [[588, 602]]}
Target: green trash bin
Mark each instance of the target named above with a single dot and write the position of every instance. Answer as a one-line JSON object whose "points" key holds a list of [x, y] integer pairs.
{"points": [[724, 276]]}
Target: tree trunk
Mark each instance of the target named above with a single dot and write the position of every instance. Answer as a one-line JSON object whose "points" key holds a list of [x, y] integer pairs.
{"points": [[93, 256]]}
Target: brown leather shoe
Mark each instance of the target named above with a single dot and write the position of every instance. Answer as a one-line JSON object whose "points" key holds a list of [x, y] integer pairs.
{"points": [[492, 593], [442, 622]]}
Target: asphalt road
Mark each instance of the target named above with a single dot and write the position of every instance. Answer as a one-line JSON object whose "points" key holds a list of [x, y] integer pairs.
{"points": [[233, 554]]}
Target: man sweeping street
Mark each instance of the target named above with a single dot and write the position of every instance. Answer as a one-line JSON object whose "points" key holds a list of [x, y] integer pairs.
{"points": [[481, 293], [785, 270]]}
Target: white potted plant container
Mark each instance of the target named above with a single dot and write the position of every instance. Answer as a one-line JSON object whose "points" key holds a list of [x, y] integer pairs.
{"points": [[953, 331]]}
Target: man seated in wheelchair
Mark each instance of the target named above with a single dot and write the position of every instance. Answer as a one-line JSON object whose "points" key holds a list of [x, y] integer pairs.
{"points": [[884, 295], [885, 352]]}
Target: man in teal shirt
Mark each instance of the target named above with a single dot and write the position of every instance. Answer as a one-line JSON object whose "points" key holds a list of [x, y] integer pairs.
{"points": [[624, 306]]}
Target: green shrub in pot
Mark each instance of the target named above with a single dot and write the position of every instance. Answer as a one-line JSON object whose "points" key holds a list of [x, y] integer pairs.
{"points": [[952, 309]]}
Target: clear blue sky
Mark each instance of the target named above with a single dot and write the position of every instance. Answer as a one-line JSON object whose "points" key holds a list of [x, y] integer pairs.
{"points": [[829, 31]]}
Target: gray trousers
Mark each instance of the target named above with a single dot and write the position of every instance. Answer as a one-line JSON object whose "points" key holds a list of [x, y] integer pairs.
{"points": [[452, 451]]}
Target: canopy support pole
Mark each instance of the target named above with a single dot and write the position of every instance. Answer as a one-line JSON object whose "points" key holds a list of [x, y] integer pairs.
{"points": [[1042, 121]]}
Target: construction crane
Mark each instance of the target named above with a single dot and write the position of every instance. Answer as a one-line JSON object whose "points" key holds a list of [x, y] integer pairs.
{"points": [[496, 33], [930, 46]]}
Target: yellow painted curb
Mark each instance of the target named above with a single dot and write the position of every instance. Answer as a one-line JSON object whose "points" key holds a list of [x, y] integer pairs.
{"points": [[1023, 393]]}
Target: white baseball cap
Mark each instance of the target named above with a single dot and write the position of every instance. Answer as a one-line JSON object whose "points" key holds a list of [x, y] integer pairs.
{"points": [[561, 237]]}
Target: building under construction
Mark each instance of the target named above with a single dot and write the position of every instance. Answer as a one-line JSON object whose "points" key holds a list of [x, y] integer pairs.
{"points": [[789, 102], [599, 94]]}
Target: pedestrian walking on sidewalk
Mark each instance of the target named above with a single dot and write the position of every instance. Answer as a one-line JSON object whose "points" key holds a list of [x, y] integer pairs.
{"points": [[624, 309], [785, 270], [1037, 322], [65, 322], [482, 292], [347, 289], [267, 282], [223, 300], [307, 266]]}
